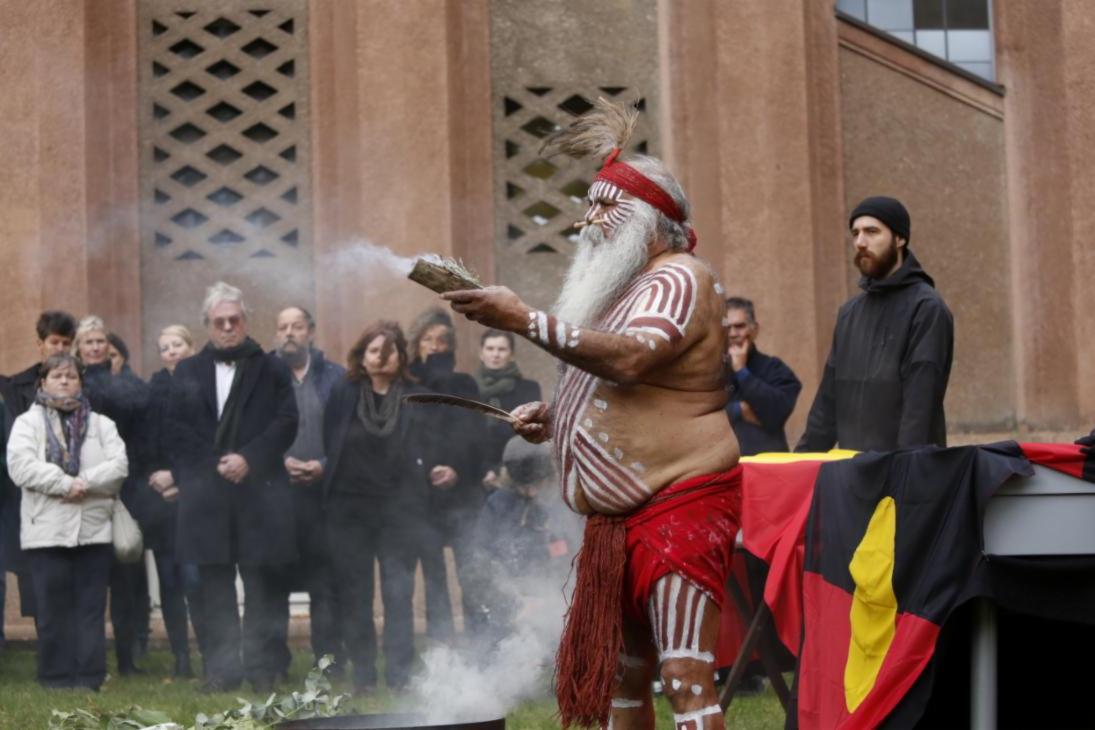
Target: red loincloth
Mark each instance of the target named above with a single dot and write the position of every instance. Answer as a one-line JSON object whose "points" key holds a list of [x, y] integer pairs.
{"points": [[688, 528]]}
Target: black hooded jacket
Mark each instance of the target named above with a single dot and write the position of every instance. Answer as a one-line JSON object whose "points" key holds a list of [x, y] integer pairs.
{"points": [[888, 368]]}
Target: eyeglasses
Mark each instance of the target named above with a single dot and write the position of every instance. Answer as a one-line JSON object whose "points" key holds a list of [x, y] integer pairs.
{"points": [[227, 322]]}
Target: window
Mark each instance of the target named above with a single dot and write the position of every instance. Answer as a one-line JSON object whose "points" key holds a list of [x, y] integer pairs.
{"points": [[958, 31]]}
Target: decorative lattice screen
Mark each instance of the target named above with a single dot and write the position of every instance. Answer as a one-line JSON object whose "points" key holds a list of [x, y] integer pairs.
{"points": [[544, 198], [224, 129]]}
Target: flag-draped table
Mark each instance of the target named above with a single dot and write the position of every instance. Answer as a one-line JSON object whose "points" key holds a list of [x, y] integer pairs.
{"points": [[868, 555]]}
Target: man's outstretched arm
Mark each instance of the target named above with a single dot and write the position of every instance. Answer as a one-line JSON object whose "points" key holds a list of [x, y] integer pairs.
{"points": [[655, 333]]}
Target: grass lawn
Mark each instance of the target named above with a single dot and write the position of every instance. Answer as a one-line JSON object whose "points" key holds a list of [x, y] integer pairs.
{"points": [[26, 706]]}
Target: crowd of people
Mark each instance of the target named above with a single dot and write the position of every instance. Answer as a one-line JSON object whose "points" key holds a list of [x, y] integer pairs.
{"points": [[282, 467], [297, 473]]}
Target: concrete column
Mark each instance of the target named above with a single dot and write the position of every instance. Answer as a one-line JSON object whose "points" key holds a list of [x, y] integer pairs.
{"points": [[1038, 60], [753, 95], [68, 147], [111, 172], [401, 124]]}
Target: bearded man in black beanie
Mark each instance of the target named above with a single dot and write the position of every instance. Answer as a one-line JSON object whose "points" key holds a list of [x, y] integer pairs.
{"points": [[887, 371], [231, 417]]}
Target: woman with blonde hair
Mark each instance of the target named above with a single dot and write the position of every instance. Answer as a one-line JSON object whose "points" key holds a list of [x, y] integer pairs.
{"points": [[70, 463], [178, 581]]}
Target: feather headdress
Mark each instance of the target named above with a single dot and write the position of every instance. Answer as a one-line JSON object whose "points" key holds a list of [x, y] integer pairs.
{"points": [[604, 128]]}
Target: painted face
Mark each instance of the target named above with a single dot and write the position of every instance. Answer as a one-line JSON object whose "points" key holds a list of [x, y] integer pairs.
{"points": [[293, 333], [496, 353], [374, 361], [62, 382], [876, 247], [435, 340], [609, 206], [117, 362], [93, 348], [172, 349], [53, 345], [226, 325]]}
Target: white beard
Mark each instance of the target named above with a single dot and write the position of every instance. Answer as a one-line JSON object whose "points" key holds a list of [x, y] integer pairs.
{"points": [[602, 268]]}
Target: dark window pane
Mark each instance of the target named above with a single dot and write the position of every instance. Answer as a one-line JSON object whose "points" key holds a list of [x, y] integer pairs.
{"points": [[967, 14], [928, 13]]}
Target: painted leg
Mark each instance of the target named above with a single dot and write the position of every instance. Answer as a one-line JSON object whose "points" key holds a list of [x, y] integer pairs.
{"points": [[633, 705], [685, 622]]}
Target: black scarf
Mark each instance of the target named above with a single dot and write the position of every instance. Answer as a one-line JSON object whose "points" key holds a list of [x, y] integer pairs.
{"points": [[225, 441], [495, 383], [380, 421], [244, 350]]}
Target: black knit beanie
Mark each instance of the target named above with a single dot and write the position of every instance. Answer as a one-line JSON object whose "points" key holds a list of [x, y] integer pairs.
{"points": [[888, 210]]}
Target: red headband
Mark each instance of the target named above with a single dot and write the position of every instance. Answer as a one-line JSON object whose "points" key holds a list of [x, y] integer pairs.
{"points": [[630, 180]]}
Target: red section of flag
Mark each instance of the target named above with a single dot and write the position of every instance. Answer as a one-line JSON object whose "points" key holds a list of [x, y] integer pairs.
{"points": [[1065, 458], [821, 698], [775, 506]]}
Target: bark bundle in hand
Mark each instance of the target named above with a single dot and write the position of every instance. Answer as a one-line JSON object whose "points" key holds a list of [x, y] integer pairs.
{"points": [[443, 275]]}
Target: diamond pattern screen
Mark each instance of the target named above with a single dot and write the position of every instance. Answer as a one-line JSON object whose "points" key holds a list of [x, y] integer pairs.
{"points": [[543, 198], [224, 129]]}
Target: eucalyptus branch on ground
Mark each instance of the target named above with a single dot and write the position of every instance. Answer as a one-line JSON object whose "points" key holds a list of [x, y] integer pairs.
{"points": [[315, 701]]}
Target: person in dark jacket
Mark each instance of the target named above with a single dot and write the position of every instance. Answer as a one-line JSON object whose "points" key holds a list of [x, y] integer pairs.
{"points": [[314, 377], [524, 532], [763, 390], [55, 330], [123, 399], [379, 460], [887, 371], [501, 385], [179, 588], [457, 494], [231, 416]]}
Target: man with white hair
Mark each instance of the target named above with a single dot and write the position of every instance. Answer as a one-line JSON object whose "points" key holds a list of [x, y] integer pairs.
{"points": [[643, 445], [231, 417]]}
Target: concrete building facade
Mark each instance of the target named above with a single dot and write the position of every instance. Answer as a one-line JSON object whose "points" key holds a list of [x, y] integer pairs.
{"points": [[152, 146]]}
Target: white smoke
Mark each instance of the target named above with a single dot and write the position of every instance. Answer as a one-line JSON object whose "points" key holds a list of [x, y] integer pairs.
{"points": [[368, 262], [488, 679]]}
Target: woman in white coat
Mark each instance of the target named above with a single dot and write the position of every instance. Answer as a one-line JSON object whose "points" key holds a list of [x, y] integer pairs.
{"points": [[70, 463]]}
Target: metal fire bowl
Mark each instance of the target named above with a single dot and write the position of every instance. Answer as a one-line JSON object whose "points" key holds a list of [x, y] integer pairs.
{"points": [[390, 721]]}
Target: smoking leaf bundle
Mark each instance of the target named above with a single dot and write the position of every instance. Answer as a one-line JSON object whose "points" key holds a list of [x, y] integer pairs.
{"points": [[443, 274]]}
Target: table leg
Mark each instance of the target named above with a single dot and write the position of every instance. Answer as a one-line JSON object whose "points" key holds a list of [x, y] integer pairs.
{"points": [[983, 667]]}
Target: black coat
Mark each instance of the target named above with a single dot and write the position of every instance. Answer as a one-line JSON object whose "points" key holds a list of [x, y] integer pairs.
{"points": [[123, 398], [461, 437], [771, 389], [18, 394], [212, 511], [498, 433], [409, 501], [19, 390], [158, 517], [888, 368]]}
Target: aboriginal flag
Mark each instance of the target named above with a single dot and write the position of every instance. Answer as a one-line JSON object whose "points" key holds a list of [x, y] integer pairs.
{"points": [[891, 541]]}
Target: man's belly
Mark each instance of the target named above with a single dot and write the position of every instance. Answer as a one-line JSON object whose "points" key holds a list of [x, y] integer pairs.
{"points": [[618, 447]]}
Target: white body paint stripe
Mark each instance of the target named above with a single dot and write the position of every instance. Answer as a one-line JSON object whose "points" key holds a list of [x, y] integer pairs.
{"points": [[696, 716], [622, 704], [542, 326], [700, 656]]}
